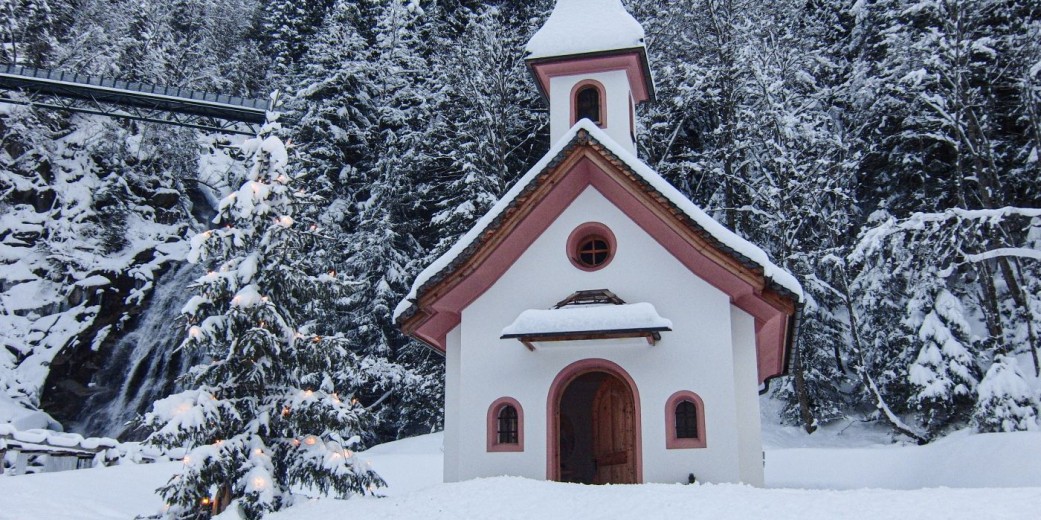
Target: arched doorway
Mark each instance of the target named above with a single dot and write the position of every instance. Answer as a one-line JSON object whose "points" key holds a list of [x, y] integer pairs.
{"points": [[594, 425]]}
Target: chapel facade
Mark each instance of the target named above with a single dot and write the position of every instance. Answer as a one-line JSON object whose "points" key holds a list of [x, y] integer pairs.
{"points": [[599, 327]]}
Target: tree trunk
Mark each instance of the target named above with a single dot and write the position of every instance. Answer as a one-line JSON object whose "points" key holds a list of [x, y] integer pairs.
{"points": [[861, 369], [809, 423]]}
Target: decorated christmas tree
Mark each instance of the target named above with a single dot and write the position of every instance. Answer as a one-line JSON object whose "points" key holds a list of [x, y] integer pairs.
{"points": [[273, 407]]}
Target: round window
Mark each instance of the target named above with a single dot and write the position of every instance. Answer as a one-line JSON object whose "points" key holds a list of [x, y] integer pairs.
{"points": [[591, 246], [593, 251]]}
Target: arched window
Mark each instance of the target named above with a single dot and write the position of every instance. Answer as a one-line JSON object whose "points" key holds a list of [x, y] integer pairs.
{"points": [[588, 104], [507, 429], [505, 425], [587, 101], [684, 421]]}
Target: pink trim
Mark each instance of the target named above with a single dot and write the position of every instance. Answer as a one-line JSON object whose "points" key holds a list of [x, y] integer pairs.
{"points": [[556, 391], [671, 441], [632, 120], [444, 312], [583, 231], [493, 425], [628, 61], [602, 92]]}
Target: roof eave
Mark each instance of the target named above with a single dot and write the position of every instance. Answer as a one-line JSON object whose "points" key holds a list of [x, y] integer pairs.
{"points": [[640, 50]]}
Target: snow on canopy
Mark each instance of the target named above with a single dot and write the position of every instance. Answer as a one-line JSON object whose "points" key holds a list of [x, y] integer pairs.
{"points": [[584, 26], [587, 318], [726, 237]]}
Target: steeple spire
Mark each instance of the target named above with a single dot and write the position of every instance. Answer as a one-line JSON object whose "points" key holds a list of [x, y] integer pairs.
{"points": [[590, 61]]}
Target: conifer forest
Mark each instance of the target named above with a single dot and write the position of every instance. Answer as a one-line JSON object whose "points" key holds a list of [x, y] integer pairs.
{"points": [[886, 152]]}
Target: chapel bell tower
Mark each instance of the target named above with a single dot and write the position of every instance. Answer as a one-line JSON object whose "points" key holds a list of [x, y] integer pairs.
{"points": [[590, 61]]}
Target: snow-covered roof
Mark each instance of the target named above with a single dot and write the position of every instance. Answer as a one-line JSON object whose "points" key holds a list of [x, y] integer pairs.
{"points": [[586, 26], [587, 318], [735, 244]]}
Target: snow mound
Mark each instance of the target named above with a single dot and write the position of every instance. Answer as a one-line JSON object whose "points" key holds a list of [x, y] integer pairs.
{"points": [[960, 460], [584, 26]]}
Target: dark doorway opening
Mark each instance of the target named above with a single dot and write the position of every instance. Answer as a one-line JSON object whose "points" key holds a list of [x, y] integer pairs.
{"points": [[596, 438]]}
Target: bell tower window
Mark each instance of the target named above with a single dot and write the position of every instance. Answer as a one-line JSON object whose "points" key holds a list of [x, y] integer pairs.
{"points": [[587, 102]]}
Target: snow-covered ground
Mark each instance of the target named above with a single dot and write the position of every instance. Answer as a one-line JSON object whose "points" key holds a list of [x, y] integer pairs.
{"points": [[987, 476]]}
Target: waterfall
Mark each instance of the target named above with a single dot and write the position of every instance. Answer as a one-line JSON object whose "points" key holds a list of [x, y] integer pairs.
{"points": [[144, 363]]}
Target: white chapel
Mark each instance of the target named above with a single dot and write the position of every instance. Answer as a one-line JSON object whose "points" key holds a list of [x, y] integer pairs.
{"points": [[598, 327]]}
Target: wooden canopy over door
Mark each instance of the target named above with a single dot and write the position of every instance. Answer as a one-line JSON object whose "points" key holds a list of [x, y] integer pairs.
{"points": [[613, 438]]}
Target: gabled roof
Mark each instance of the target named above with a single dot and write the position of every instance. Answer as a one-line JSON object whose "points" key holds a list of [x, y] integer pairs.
{"points": [[587, 156]]}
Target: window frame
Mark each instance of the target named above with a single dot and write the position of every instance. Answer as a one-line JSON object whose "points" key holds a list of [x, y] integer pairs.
{"points": [[672, 441], [493, 426], [602, 95], [584, 233]]}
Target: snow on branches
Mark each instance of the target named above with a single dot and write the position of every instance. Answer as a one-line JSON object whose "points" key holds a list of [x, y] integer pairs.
{"points": [[273, 406]]}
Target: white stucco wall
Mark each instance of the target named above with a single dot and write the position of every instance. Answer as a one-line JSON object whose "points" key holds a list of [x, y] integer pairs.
{"points": [[616, 85], [452, 405], [698, 355], [746, 380]]}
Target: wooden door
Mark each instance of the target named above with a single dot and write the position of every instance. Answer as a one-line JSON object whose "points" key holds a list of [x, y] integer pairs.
{"points": [[613, 441]]}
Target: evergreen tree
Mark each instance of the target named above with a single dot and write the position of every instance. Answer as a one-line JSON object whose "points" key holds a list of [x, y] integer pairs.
{"points": [[384, 250], [944, 374], [30, 30], [1006, 402], [489, 126], [275, 406], [287, 27]]}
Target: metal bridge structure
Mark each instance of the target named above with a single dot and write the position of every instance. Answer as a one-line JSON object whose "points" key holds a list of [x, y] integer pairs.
{"points": [[59, 90]]}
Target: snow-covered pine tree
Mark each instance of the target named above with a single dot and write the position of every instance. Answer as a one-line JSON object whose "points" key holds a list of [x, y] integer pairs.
{"points": [[30, 30], [288, 26], [1006, 402], [390, 211], [944, 374], [274, 406], [334, 90], [489, 126]]}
